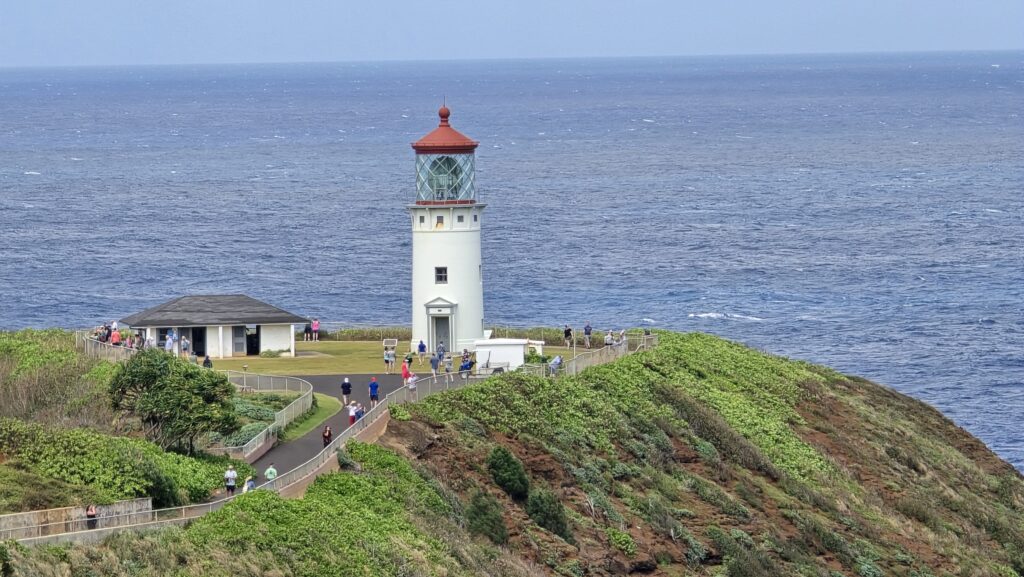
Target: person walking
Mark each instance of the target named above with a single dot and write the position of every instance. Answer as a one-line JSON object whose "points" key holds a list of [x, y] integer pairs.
{"points": [[421, 350], [230, 478], [448, 377], [609, 340], [307, 332], [346, 390], [351, 413], [568, 336], [270, 474], [315, 325], [440, 350], [411, 383], [360, 411], [374, 387], [90, 516], [387, 360], [207, 363], [435, 362], [327, 435], [184, 346], [405, 373], [587, 331]]}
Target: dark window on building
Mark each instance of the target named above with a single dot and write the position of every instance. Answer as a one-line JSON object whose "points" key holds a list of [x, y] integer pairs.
{"points": [[440, 275], [440, 221], [474, 218], [422, 219], [460, 218]]}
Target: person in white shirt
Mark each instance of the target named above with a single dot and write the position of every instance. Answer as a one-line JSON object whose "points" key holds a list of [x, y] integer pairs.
{"points": [[230, 480], [412, 386]]}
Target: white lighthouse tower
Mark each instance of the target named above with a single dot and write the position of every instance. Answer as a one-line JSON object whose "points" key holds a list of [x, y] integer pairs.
{"points": [[447, 276]]}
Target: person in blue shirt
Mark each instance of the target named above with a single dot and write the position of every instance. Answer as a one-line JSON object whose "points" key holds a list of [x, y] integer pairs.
{"points": [[374, 392], [435, 362], [422, 350]]}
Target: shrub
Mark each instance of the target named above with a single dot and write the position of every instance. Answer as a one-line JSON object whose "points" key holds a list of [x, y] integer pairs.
{"points": [[508, 473], [621, 540], [399, 413], [254, 412], [119, 467], [268, 354], [243, 435], [483, 517], [547, 511]]}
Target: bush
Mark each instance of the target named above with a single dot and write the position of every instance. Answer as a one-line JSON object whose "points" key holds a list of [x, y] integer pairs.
{"points": [[483, 517], [399, 413], [508, 473], [547, 511], [254, 412], [118, 467], [243, 435], [621, 540]]}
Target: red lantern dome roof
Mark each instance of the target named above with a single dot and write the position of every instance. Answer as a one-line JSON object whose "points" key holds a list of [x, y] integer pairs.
{"points": [[444, 139]]}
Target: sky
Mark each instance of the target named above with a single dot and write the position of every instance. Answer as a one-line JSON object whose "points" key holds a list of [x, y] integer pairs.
{"points": [[126, 32]]}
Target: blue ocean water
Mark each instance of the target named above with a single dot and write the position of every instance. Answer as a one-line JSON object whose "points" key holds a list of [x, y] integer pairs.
{"points": [[860, 211]]}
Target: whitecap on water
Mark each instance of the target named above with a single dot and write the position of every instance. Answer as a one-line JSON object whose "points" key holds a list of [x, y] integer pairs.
{"points": [[649, 321], [726, 316], [32, 173]]}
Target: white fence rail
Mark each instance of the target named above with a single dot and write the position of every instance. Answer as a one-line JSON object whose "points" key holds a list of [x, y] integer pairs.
{"points": [[106, 351], [424, 388]]}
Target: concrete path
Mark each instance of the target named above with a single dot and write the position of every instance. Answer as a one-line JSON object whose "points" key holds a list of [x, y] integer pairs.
{"points": [[287, 456]]}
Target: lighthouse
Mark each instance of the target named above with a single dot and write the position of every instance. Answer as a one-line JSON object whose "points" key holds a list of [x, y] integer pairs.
{"points": [[447, 276]]}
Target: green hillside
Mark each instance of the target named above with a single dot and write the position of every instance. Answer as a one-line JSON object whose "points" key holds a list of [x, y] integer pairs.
{"points": [[701, 457]]}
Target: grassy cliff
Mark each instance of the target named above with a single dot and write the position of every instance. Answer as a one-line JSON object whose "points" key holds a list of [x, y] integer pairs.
{"points": [[701, 457]]}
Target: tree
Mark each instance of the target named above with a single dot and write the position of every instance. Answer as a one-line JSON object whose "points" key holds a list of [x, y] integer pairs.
{"points": [[175, 400]]}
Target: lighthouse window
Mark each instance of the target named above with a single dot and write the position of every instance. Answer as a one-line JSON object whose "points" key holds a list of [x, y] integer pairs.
{"points": [[461, 218], [440, 275], [444, 177], [440, 221], [475, 218], [422, 219]]}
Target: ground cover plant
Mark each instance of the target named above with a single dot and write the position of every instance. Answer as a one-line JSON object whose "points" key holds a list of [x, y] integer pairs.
{"points": [[43, 378], [700, 457], [383, 520], [112, 468]]}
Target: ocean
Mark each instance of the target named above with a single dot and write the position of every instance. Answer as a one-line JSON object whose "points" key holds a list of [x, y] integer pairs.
{"points": [[864, 212]]}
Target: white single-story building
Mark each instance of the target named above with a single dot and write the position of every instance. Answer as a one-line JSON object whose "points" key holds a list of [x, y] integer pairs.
{"points": [[507, 354], [220, 325]]}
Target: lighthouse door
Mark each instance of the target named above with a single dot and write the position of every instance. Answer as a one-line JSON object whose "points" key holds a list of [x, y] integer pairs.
{"points": [[442, 332]]}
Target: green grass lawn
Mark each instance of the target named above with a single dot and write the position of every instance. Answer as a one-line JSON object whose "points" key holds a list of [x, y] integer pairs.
{"points": [[336, 358], [326, 407]]}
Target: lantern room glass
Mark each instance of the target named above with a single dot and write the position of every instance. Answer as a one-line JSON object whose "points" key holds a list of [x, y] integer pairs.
{"points": [[445, 177]]}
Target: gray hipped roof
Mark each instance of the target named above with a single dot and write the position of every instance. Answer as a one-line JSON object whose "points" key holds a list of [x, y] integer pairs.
{"points": [[207, 310]]}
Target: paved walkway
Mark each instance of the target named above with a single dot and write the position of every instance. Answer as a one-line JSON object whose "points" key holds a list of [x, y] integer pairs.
{"points": [[287, 456]]}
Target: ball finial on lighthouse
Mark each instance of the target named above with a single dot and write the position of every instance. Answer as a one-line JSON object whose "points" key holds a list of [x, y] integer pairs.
{"points": [[447, 272]]}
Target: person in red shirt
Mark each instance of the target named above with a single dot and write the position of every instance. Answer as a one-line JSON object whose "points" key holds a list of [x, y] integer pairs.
{"points": [[115, 338]]}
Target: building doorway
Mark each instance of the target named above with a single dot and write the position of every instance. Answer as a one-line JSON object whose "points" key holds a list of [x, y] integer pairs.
{"points": [[252, 340], [442, 332], [199, 341]]}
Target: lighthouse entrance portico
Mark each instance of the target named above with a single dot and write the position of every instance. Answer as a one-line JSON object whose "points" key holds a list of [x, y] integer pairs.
{"points": [[441, 313], [447, 272]]}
